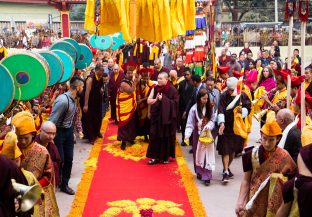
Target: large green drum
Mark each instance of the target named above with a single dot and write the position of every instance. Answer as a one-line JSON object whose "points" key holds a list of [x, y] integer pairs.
{"points": [[85, 58], [66, 47], [56, 66], [75, 44], [7, 89], [30, 72], [69, 65]]}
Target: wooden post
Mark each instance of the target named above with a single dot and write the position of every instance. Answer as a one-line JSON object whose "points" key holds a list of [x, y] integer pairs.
{"points": [[65, 21], [290, 37], [302, 100]]}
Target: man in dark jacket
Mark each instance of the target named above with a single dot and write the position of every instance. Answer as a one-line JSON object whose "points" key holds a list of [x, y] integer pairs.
{"points": [[185, 90], [285, 119]]}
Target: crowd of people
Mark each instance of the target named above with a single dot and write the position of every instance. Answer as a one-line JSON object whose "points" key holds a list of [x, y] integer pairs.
{"points": [[157, 102], [34, 38]]}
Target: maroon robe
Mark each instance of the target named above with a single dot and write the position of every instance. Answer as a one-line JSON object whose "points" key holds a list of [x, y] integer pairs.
{"points": [[223, 62], [163, 124], [180, 71], [156, 73], [9, 170], [55, 157], [92, 119], [113, 86]]}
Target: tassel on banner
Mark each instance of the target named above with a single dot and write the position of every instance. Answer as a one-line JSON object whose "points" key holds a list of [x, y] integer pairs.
{"points": [[290, 8], [303, 11]]}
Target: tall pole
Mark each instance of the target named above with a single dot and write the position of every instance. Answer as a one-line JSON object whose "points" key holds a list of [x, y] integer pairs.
{"points": [[302, 100], [290, 36], [276, 12]]}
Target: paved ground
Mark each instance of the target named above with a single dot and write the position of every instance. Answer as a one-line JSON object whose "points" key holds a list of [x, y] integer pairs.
{"points": [[219, 200]]}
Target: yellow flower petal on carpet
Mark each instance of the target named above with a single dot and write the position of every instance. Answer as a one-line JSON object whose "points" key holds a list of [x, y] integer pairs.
{"points": [[122, 203], [91, 162], [132, 209], [146, 201], [176, 211], [144, 207], [159, 208], [135, 152], [136, 215], [113, 211], [114, 137], [166, 203]]}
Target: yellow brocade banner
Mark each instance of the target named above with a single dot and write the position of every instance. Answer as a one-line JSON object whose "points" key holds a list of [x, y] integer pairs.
{"points": [[156, 20], [239, 126]]}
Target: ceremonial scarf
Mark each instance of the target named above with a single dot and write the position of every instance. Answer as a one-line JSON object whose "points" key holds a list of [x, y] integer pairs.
{"points": [[162, 89], [268, 84]]}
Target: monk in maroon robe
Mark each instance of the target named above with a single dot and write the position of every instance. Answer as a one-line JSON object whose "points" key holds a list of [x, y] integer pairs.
{"points": [[45, 138], [179, 67], [164, 100], [92, 105], [115, 79], [158, 68]]}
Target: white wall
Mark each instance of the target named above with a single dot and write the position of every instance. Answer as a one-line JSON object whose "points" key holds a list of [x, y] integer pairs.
{"points": [[27, 12]]}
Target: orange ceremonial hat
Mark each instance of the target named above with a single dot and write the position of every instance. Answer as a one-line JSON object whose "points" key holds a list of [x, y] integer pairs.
{"points": [[129, 66], [223, 70], [10, 148], [24, 123], [271, 129]]}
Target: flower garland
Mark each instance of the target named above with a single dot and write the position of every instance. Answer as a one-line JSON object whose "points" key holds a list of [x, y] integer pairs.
{"points": [[135, 152], [143, 207], [84, 185]]}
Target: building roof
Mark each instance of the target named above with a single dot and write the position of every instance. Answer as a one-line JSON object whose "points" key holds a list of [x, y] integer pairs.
{"points": [[44, 1]]}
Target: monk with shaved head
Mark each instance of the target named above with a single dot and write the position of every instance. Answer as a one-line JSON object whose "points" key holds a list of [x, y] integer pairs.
{"points": [[45, 138], [164, 101], [292, 134]]}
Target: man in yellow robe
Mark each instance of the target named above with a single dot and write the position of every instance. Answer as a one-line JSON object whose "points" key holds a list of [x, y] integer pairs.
{"points": [[308, 78], [37, 160], [126, 105], [279, 99]]}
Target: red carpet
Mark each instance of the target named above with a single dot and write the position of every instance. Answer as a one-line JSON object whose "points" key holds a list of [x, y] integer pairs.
{"points": [[118, 179]]}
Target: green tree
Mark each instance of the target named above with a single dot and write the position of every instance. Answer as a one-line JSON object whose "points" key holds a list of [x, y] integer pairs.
{"points": [[77, 12]]}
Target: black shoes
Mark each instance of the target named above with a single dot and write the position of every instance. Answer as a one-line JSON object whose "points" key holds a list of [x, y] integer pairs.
{"points": [[207, 182], [231, 175], [67, 190], [191, 151], [183, 144], [123, 146], [153, 161], [225, 178]]}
